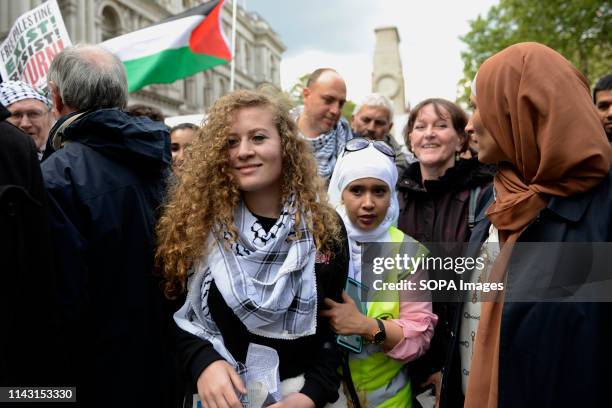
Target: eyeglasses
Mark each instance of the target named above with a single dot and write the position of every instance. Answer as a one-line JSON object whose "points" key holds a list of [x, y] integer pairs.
{"points": [[32, 115], [360, 143]]}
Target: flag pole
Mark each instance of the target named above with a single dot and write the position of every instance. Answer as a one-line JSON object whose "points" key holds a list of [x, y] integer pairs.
{"points": [[233, 63]]}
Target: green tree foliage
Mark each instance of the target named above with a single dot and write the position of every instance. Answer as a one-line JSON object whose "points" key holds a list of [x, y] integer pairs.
{"points": [[578, 29], [295, 93]]}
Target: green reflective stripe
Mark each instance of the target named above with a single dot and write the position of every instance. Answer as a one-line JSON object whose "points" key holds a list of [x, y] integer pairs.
{"points": [[398, 393]]}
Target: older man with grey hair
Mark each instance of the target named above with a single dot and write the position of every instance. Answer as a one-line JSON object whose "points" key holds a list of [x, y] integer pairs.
{"points": [[30, 111], [373, 118], [105, 183]]}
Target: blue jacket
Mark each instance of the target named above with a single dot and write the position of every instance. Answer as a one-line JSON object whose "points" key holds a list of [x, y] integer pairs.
{"points": [[105, 187], [554, 354]]}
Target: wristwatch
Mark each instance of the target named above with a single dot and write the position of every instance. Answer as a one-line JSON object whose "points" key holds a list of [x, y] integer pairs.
{"points": [[379, 335]]}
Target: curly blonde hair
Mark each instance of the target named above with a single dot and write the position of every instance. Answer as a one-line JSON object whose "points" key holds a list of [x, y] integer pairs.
{"points": [[204, 198]]}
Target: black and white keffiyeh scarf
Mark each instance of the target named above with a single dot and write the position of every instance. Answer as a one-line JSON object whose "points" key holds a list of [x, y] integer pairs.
{"points": [[267, 279], [327, 146]]}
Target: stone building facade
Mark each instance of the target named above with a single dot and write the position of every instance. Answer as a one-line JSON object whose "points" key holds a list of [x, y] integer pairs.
{"points": [[258, 47]]}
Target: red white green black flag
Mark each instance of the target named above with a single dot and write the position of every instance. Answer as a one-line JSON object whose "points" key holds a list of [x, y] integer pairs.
{"points": [[174, 48]]}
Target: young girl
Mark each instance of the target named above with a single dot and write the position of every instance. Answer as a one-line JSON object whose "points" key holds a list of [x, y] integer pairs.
{"points": [[247, 232], [393, 332]]}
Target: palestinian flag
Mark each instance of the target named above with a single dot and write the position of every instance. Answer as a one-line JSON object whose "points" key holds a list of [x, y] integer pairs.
{"points": [[174, 48]]}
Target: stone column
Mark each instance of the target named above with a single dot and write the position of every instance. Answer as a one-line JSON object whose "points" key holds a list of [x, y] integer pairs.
{"points": [[387, 76]]}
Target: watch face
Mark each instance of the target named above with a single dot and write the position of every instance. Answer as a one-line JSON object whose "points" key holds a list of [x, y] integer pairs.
{"points": [[379, 337]]}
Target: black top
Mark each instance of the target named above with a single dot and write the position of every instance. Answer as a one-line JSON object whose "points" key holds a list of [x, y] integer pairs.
{"points": [[27, 312], [316, 356]]}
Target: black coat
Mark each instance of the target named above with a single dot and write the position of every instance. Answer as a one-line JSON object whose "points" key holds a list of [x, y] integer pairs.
{"points": [[105, 187], [27, 321], [438, 212], [554, 354]]}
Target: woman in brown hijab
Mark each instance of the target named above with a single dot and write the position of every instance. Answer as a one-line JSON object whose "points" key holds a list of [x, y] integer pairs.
{"points": [[533, 116]]}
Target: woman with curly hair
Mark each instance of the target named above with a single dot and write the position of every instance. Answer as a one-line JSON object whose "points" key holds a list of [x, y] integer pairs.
{"points": [[247, 233]]}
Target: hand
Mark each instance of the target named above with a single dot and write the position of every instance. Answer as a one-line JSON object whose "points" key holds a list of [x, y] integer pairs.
{"points": [[436, 380], [217, 386], [294, 399], [345, 318]]}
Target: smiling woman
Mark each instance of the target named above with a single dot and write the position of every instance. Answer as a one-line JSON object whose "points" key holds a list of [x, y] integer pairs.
{"points": [[440, 196], [246, 232]]}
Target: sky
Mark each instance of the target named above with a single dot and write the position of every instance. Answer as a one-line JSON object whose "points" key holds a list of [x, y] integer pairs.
{"points": [[340, 34]]}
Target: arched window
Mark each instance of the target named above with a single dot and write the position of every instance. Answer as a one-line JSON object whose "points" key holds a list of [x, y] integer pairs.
{"points": [[111, 23]]}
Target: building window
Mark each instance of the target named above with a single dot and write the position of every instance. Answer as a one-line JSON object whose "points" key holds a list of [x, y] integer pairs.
{"points": [[248, 55], [190, 91], [111, 24], [208, 91], [221, 87]]}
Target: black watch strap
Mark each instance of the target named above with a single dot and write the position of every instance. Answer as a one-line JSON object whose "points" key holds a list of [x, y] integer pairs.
{"points": [[381, 335]]}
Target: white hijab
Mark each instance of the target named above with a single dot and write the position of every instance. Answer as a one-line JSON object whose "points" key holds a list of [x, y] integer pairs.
{"points": [[352, 166]]}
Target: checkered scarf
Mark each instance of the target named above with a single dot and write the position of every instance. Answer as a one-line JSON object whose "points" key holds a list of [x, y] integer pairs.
{"points": [[15, 91], [267, 279]]}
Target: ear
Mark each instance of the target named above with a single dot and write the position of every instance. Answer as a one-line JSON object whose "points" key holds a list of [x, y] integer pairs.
{"points": [[390, 127], [408, 143], [462, 142], [56, 99], [306, 92]]}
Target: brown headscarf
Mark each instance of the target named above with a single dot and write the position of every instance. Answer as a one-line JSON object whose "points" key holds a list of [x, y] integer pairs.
{"points": [[537, 107]]}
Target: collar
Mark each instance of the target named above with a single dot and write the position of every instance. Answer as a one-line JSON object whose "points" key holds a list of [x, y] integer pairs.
{"points": [[571, 208], [57, 131]]}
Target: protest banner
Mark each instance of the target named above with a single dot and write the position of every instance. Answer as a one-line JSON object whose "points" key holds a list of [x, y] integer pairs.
{"points": [[35, 38]]}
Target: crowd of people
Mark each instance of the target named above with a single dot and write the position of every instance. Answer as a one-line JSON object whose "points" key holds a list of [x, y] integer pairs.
{"points": [[168, 267]]}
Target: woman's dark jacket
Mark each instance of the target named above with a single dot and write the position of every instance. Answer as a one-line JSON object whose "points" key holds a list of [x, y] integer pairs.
{"points": [[316, 356], [438, 212], [555, 354]]}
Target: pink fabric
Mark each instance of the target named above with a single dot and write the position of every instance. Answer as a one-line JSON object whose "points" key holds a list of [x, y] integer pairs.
{"points": [[417, 321]]}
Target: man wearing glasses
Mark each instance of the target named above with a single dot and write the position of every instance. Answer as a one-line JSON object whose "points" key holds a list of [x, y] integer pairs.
{"points": [[30, 112]]}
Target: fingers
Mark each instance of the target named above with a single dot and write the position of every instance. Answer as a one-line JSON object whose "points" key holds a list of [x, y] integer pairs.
{"points": [[347, 299], [217, 386], [229, 399], [237, 381], [330, 303], [428, 382]]}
